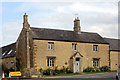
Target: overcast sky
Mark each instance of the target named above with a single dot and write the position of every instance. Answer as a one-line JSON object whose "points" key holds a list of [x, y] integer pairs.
{"points": [[98, 16]]}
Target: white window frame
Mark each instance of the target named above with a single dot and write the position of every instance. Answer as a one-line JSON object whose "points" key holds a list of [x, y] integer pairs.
{"points": [[50, 45], [95, 48], [74, 46], [96, 62], [50, 62]]}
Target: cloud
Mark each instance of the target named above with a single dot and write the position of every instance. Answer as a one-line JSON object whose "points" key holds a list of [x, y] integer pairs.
{"points": [[60, 1], [105, 30], [100, 17], [95, 8], [10, 32]]}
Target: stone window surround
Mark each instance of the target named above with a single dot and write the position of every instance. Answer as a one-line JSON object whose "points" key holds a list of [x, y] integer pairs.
{"points": [[50, 61], [50, 45], [74, 46], [96, 62], [95, 48]]}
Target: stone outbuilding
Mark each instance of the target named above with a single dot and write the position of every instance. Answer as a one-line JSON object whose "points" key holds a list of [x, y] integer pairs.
{"points": [[114, 51]]}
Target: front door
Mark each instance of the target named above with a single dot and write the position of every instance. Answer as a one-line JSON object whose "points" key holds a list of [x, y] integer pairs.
{"points": [[77, 66]]}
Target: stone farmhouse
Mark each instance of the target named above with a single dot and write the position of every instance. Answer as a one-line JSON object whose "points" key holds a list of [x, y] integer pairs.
{"points": [[47, 48]]}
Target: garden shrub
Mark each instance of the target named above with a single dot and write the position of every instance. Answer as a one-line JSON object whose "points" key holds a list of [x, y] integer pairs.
{"points": [[68, 70], [41, 70], [47, 71], [88, 69], [57, 71], [104, 68], [95, 69]]}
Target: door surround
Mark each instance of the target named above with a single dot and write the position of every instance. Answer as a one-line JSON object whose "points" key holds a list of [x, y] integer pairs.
{"points": [[77, 56]]}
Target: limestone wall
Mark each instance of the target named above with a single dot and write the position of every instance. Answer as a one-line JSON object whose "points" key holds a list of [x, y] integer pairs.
{"points": [[21, 49], [7, 62], [114, 59], [63, 51]]}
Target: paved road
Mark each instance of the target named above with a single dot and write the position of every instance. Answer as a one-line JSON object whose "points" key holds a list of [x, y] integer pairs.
{"points": [[97, 76]]}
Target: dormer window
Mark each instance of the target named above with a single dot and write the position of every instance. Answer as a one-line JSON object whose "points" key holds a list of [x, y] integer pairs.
{"points": [[74, 46], [95, 47]]}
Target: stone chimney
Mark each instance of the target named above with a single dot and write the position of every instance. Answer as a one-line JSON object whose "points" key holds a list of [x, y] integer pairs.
{"points": [[77, 27], [25, 21]]}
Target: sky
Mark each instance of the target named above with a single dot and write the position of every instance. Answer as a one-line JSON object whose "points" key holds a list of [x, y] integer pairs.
{"points": [[99, 16]]}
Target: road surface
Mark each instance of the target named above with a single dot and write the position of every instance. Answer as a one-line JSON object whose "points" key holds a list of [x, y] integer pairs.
{"points": [[96, 76]]}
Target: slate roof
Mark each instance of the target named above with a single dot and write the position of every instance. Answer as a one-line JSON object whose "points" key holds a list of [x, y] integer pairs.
{"points": [[8, 51], [114, 44], [65, 35]]}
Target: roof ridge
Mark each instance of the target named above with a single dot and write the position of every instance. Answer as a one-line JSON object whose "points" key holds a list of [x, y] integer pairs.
{"points": [[64, 30], [111, 38], [51, 29]]}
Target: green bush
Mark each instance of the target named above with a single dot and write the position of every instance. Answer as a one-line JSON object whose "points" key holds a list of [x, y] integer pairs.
{"points": [[47, 71], [68, 70], [57, 71], [96, 69], [88, 69], [104, 68], [41, 70], [63, 70]]}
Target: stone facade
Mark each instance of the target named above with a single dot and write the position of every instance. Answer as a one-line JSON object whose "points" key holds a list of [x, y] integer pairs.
{"points": [[63, 51], [9, 62], [114, 59]]}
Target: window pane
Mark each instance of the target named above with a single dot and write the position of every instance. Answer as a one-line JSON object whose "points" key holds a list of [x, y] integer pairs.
{"points": [[48, 45], [95, 47], [75, 46], [72, 46], [96, 62], [53, 62], [51, 46], [48, 62]]}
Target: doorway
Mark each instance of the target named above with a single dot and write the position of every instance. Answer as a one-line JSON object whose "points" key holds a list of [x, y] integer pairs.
{"points": [[77, 64]]}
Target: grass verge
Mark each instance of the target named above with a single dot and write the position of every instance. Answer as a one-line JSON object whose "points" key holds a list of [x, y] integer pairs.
{"points": [[99, 72], [70, 74]]}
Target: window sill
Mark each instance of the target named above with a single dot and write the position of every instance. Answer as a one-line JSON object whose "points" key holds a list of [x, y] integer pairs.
{"points": [[50, 49], [95, 51], [50, 66]]}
